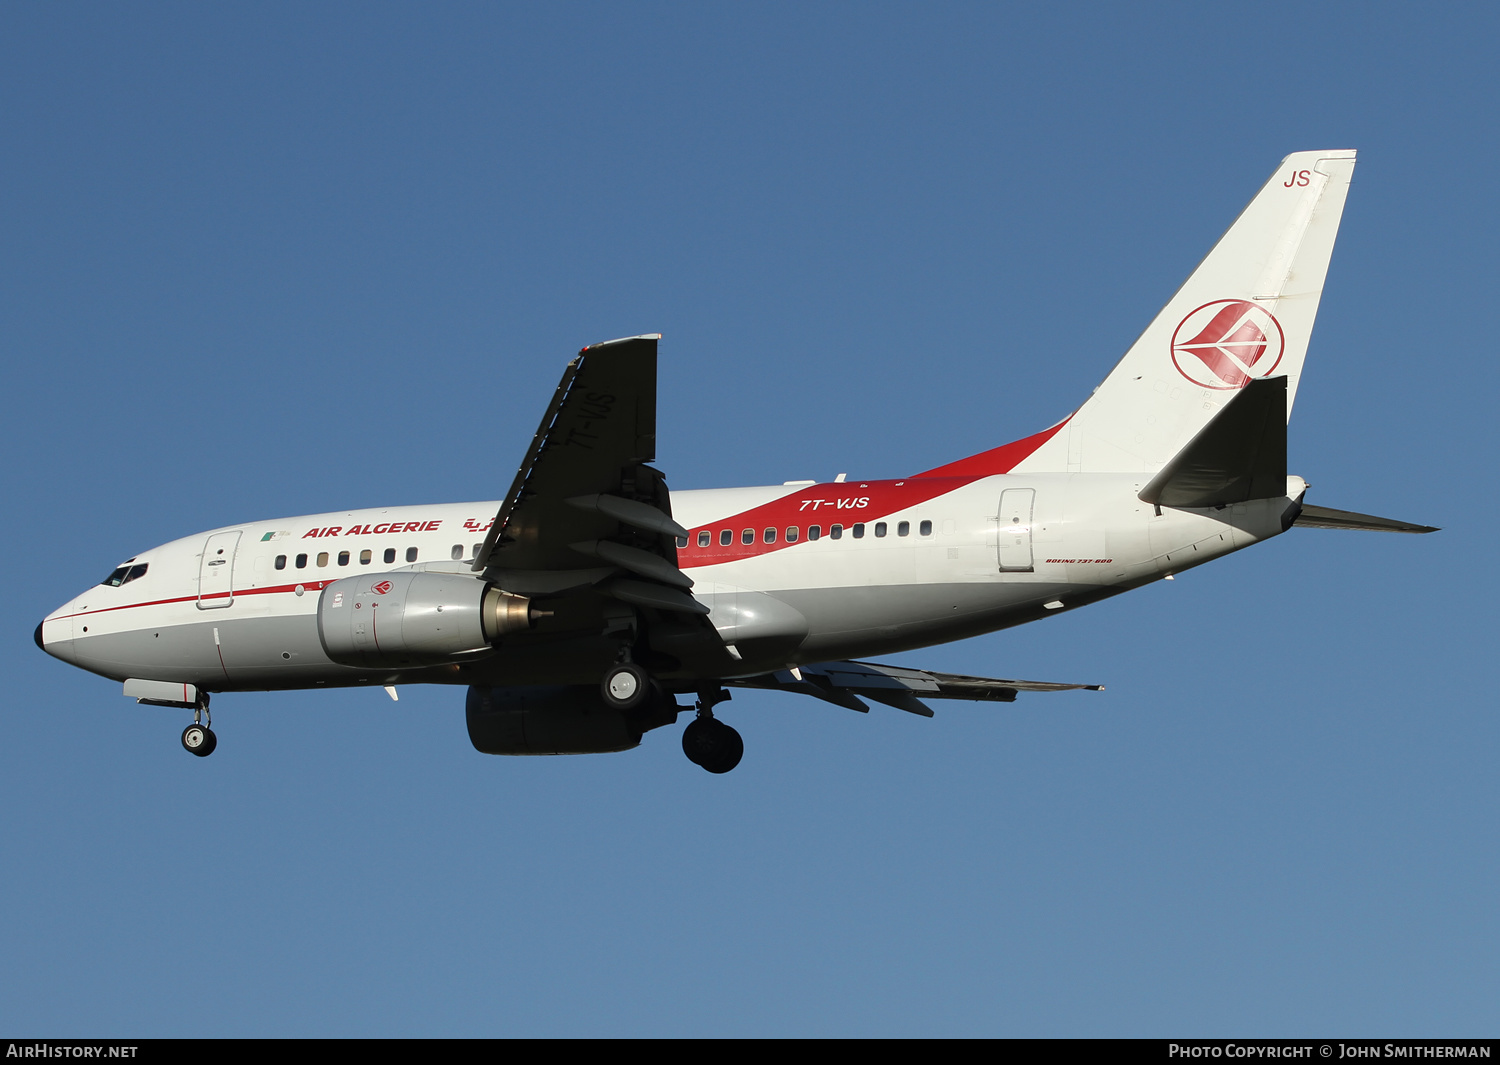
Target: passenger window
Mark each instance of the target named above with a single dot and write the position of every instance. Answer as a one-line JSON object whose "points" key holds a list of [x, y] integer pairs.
{"points": [[880, 528], [814, 532], [390, 555], [769, 536], [835, 532], [411, 554], [281, 562], [343, 558], [322, 559], [903, 528], [301, 561], [477, 549], [704, 538], [682, 541], [364, 557], [791, 534], [457, 552], [747, 536], [925, 528], [726, 537], [859, 530]]}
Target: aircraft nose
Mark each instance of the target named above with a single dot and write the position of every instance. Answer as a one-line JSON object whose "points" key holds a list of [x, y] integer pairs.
{"points": [[54, 643]]}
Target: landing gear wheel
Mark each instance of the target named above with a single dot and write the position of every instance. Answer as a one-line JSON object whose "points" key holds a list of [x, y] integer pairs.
{"points": [[710, 743], [626, 686], [199, 740]]}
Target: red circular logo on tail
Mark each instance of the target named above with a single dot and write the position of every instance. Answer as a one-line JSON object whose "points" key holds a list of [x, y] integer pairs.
{"points": [[381, 588], [1227, 344]]}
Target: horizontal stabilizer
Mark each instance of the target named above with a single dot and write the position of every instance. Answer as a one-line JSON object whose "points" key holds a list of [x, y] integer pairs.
{"points": [[1328, 518], [898, 686], [1239, 455]]}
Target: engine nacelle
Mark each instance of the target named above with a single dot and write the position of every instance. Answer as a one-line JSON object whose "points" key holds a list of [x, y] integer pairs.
{"points": [[392, 619], [548, 719]]}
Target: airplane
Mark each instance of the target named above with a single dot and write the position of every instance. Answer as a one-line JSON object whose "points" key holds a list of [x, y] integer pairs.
{"points": [[580, 606]]}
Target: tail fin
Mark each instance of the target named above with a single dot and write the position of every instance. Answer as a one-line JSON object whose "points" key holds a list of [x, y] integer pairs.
{"points": [[1245, 314]]}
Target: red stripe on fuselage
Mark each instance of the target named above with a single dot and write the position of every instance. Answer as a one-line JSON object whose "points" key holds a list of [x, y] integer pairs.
{"points": [[1000, 459], [866, 501], [308, 586], [825, 505], [814, 505]]}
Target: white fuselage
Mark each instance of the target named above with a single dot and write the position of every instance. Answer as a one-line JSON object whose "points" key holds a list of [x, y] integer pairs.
{"points": [[912, 563]]}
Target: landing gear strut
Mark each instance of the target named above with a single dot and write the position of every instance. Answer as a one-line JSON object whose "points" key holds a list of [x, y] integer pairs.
{"points": [[198, 738], [709, 742]]}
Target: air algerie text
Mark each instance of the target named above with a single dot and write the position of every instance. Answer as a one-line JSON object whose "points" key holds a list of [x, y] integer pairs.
{"points": [[383, 529]]}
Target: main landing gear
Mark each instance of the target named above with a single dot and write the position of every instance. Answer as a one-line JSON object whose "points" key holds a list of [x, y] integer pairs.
{"points": [[626, 686], [709, 742], [199, 738], [706, 741]]}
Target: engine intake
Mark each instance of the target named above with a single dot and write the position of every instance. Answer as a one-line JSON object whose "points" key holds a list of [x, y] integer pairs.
{"points": [[415, 618]]}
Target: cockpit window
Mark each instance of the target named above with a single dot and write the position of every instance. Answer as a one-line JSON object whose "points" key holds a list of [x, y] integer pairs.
{"points": [[124, 575]]}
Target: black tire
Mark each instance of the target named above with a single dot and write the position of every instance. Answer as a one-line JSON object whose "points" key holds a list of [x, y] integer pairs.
{"points": [[731, 750], [710, 743], [626, 686], [198, 740], [697, 744]]}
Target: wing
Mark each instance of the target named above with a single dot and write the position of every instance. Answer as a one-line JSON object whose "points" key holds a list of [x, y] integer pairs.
{"points": [[842, 683], [585, 507]]}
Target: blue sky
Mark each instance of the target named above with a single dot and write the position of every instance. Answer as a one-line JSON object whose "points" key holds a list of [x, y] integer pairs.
{"points": [[282, 259]]}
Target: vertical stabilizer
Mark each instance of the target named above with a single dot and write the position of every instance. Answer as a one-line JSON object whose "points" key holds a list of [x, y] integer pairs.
{"points": [[1244, 315]]}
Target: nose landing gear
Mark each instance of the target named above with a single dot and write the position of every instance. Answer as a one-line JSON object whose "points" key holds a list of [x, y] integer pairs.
{"points": [[707, 741], [196, 739], [199, 738]]}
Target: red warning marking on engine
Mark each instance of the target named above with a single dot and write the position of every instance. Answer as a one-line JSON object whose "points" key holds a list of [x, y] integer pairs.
{"points": [[1227, 344]]}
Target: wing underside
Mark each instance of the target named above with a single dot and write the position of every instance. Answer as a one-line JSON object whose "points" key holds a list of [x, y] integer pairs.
{"points": [[848, 684], [586, 508]]}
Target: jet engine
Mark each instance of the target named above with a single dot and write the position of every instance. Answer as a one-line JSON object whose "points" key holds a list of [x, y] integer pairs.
{"points": [[558, 719], [393, 619]]}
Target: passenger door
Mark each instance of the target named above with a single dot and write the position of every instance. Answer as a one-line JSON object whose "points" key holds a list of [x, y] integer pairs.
{"points": [[216, 571], [1014, 532]]}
